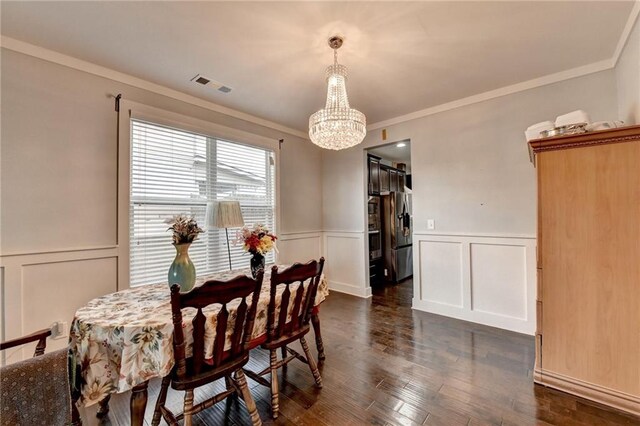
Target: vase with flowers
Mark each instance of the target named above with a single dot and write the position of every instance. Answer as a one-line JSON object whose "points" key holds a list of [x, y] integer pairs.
{"points": [[258, 241], [185, 231]]}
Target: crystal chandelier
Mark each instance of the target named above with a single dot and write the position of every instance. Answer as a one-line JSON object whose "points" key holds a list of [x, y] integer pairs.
{"points": [[337, 126]]}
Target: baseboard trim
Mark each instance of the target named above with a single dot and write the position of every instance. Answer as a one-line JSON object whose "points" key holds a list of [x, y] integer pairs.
{"points": [[517, 325], [537, 375], [603, 395], [364, 292]]}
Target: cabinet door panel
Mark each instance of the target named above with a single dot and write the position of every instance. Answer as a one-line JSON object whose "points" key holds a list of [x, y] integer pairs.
{"points": [[589, 210], [374, 176], [393, 179], [384, 180]]}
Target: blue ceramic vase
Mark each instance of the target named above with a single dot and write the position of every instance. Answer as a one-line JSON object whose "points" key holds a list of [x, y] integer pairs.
{"points": [[182, 271]]}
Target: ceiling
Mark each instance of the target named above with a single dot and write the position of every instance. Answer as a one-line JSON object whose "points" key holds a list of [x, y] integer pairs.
{"points": [[402, 57], [394, 153]]}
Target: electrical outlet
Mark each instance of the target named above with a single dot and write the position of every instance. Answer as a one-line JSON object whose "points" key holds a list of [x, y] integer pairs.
{"points": [[386, 273], [431, 224], [59, 330]]}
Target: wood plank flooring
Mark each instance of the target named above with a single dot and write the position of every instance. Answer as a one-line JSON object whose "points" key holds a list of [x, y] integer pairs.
{"points": [[389, 365]]}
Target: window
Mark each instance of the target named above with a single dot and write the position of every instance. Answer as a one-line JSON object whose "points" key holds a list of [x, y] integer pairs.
{"points": [[174, 171]]}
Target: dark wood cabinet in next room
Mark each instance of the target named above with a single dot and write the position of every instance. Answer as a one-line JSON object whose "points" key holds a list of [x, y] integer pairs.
{"points": [[393, 180], [383, 178], [374, 175]]}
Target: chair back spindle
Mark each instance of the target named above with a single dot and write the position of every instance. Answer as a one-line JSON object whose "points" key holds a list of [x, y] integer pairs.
{"points": [[214, 292], [300, 303]]}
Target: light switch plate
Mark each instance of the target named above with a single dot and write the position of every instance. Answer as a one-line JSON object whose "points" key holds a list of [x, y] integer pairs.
{"points": [[431, 224]]}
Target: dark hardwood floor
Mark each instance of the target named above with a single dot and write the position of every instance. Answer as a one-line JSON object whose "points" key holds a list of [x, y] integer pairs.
{"points": [[387, 364]]}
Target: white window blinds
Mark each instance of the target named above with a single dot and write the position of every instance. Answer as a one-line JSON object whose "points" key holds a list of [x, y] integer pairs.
{"points": [[174, 171]]}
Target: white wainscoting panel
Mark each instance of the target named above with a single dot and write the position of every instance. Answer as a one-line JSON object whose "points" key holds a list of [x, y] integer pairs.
{"points": [[54, 290], [344, 252], [441, 272], [490, 280], [499, 280], [299, 246], [2, 310], [39, 289]]}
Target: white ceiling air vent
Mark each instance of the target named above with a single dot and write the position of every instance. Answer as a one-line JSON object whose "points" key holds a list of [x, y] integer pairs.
{"points": [[216, 85]]}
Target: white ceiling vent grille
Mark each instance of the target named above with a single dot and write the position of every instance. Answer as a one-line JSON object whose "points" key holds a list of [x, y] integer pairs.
{"points": [[216, 85]]}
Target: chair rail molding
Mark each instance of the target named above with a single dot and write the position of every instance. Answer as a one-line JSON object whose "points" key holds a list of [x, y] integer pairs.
{"points": [[485, 279], [299, 246]]}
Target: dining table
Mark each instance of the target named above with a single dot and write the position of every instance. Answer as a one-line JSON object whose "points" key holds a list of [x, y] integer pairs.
{"points": [[120, 341]]}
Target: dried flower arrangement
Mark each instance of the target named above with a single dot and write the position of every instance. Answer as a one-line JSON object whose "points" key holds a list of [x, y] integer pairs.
{"points": [[185, 229], [257, 239]]}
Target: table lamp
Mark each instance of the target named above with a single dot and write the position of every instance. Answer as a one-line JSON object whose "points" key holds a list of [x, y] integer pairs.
{"points": [[224, 214]]}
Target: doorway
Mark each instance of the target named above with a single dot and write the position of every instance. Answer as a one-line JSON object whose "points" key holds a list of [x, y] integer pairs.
{"points": [[389, 216]]}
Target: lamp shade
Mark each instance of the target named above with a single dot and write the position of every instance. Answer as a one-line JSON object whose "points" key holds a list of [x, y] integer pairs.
{"points": [[224, 214]]}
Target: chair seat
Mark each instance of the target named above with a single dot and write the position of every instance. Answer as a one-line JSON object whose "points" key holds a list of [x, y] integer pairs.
{"points": [[287, 338], [207, 375]]}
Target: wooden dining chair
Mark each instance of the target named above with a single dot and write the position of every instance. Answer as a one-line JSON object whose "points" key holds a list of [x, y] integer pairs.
{"points": [[315, 322], [288, 321], [195, 371], [37, 390]]}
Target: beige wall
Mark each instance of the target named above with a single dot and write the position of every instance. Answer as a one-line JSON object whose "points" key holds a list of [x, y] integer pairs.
{"points": [[628, 78], [470, 165], [58, 169], [59, 147], [471, 174]]}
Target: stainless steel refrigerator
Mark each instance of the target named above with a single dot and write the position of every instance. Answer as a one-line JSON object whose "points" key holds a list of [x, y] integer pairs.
{"points": [[397, 243]]}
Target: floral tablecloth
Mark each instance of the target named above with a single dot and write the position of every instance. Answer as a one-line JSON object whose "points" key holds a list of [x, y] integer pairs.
{"points": [[125, 338]]}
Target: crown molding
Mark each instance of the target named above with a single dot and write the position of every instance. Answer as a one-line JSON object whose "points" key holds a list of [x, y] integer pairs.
{"points": [[626, 32], [91, 68], [503, 91], [601, 137], [71, 62], [525, 85]]}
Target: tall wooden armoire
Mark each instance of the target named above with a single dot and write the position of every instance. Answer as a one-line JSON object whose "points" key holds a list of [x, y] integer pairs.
{"points": [[588, 304]]}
